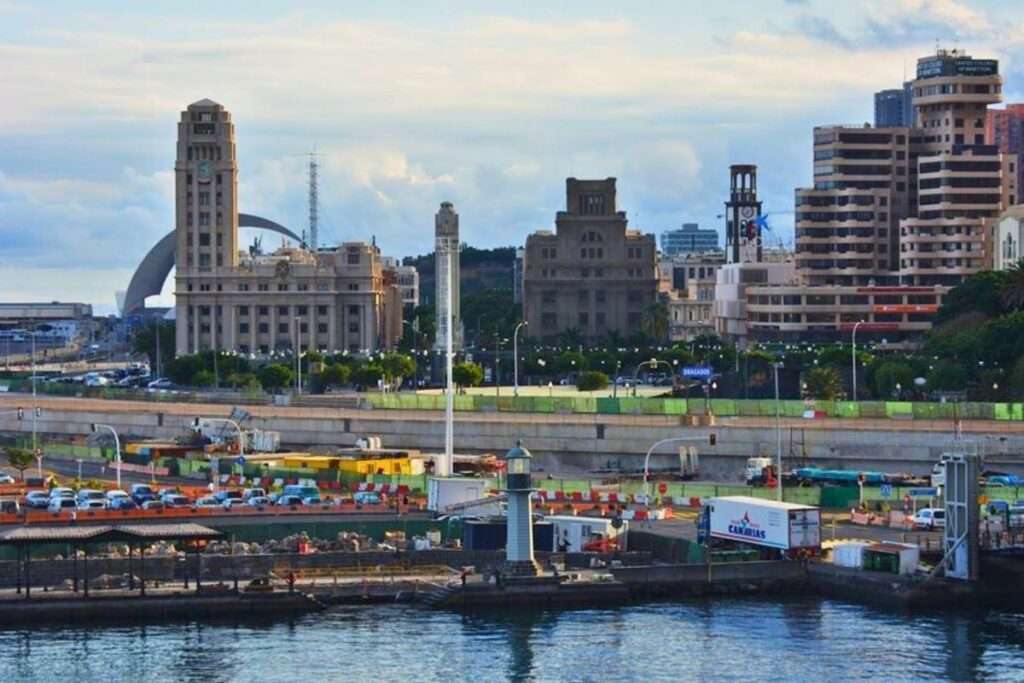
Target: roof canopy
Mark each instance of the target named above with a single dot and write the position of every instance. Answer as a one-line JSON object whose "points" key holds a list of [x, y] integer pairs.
{"points": [[123, 533]]}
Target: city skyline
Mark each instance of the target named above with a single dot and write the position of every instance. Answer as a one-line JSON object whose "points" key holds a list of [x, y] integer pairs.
{"points": [[408, 111]]}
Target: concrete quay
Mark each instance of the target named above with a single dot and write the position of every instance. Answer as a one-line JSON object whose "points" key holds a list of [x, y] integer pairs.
{"points": [[562, 443]]}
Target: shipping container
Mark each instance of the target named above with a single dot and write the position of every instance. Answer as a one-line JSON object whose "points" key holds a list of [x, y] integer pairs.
{"points": [[443, 492], [765, 523], [576, 532], [493, 535]]}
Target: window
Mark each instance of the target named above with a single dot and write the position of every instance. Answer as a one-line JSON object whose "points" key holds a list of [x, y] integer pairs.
{"points": [[303, 287], [282, 310], [583, 319], [204, 260], [353, 258], [592, 204], [599, 296], [583, 296], [282, 287], [263, 287], [243, 328], [204, 239], [353, 286], [303, 328], [282, 328], [321, 328], [204, 219], [353, 310], [353, 328], [263, 310], [548, 296], [549, 320], [303, 310], [243, 310], [243, 287]]}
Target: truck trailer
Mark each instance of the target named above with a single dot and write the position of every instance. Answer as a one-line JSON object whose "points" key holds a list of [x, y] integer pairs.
{"points": [[786, 527]]}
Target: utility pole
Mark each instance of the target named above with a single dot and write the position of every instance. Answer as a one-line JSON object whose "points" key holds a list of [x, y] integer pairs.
{"points": [[778, 435]]}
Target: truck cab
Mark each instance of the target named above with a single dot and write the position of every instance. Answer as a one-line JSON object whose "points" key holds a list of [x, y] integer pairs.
{"points": [[754, 472]]}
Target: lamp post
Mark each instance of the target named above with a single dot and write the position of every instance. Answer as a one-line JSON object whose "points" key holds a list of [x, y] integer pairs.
{"points": [[853, 343], [35, 409], [671, 439], [515, 358], [778, 434], [241, 437], [117, 448]]}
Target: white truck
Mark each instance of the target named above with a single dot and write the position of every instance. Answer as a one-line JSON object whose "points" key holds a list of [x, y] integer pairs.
{"points": [[787, 527], [754, 471]]}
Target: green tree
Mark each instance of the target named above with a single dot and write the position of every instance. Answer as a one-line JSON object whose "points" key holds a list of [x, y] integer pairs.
{"points": [[591, 380], [397, 366], [1012, 288], [980, 293], [947, 375], [467, 375], [335, 375], [571, 338], [246, 381], [655, 321], [823, 384], [203, 379], [20, 459], [1015, 384], [570, 361], [367, 375], [275, 376], [182, 369], [893, 378], [144, 342]]}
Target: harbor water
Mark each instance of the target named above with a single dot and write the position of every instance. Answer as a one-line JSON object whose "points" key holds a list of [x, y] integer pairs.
{"points": [[736, 639]]}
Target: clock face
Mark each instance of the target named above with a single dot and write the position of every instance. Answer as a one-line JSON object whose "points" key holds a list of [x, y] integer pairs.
{"points": [[747, 212], [205, 170]]}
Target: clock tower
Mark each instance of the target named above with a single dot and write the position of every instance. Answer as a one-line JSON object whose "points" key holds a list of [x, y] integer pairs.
{"points": [[742, 214]]}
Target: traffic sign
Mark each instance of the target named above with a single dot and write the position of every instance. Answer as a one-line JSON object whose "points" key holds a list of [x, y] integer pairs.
{"points": [[697, 371], [886, 490], [926, 492], [662, 488], [240, 460]]}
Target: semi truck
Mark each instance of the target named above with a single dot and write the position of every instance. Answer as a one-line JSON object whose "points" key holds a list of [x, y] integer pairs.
{"points": [[787, 527]]}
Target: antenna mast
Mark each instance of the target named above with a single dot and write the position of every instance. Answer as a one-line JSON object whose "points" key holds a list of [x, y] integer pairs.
{"points": [[314, 202]]}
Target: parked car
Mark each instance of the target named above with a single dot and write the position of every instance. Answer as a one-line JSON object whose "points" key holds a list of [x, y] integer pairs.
{"points": [[116, 493], [259, 501], [227, 494], [62, 492], [253, 493], [367, 498], [85, 495], [37, 500], [61, 504], [312, 500], [9, 506], [153, 505], [930, 518], [162, 383], [175, 500], [208, 502], [6, 478], [142, 493], [122, 503], [92, 504], [231, 503], [286, 500], [161, 493]]}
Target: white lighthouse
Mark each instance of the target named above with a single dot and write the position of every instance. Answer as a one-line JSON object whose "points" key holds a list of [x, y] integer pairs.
{"points": [[519, 544]]}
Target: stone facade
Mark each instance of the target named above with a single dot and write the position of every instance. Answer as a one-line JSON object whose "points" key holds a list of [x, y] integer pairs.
{"points": [[591, 274], [251, 303]]}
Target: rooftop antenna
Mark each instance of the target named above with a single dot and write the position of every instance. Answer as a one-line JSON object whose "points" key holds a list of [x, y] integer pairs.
{"points": [[314, 202]]}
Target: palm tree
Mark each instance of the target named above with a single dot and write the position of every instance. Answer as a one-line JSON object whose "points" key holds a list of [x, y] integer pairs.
{"points": [[823, 384], [656, 320], [571, 338], [1012, 289]]}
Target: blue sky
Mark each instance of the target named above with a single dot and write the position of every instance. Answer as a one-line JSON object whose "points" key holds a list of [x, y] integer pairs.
{"points": [[488, 105]]}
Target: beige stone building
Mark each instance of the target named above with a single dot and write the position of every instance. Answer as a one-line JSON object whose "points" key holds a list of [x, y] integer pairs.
{"points": [[688, 287], [591, 274], [255, 303]]}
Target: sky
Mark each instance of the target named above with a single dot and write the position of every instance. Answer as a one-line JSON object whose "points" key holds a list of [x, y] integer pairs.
{"points": [[488, 105]]}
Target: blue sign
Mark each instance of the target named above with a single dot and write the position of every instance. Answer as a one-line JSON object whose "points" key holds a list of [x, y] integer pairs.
{"points": [[928, 492], [697, 371], [886, 490], [240, 460]]}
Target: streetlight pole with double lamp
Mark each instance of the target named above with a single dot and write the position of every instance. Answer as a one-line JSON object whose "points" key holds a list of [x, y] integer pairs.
{"points": [[117, 447], [853, 343], [515, 358]]}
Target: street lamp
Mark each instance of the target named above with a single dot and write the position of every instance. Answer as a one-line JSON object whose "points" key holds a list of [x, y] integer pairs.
{"points": [[778, 434], [117, 447], [241, 437], [673, 439], [515, 358]]}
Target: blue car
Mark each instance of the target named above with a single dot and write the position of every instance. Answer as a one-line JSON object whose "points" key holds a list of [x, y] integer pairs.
{"points": [[142, 493], [37, 500], [122, 503]]}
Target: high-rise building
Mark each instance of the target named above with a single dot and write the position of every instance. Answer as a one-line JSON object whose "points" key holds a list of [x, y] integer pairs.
{"points": [[592, 274], [689, 239], [962, 182], [446, 255], [847, 225], [252, 303], [742, 216], [897, 215], [1004, 128], [894, 108]]}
